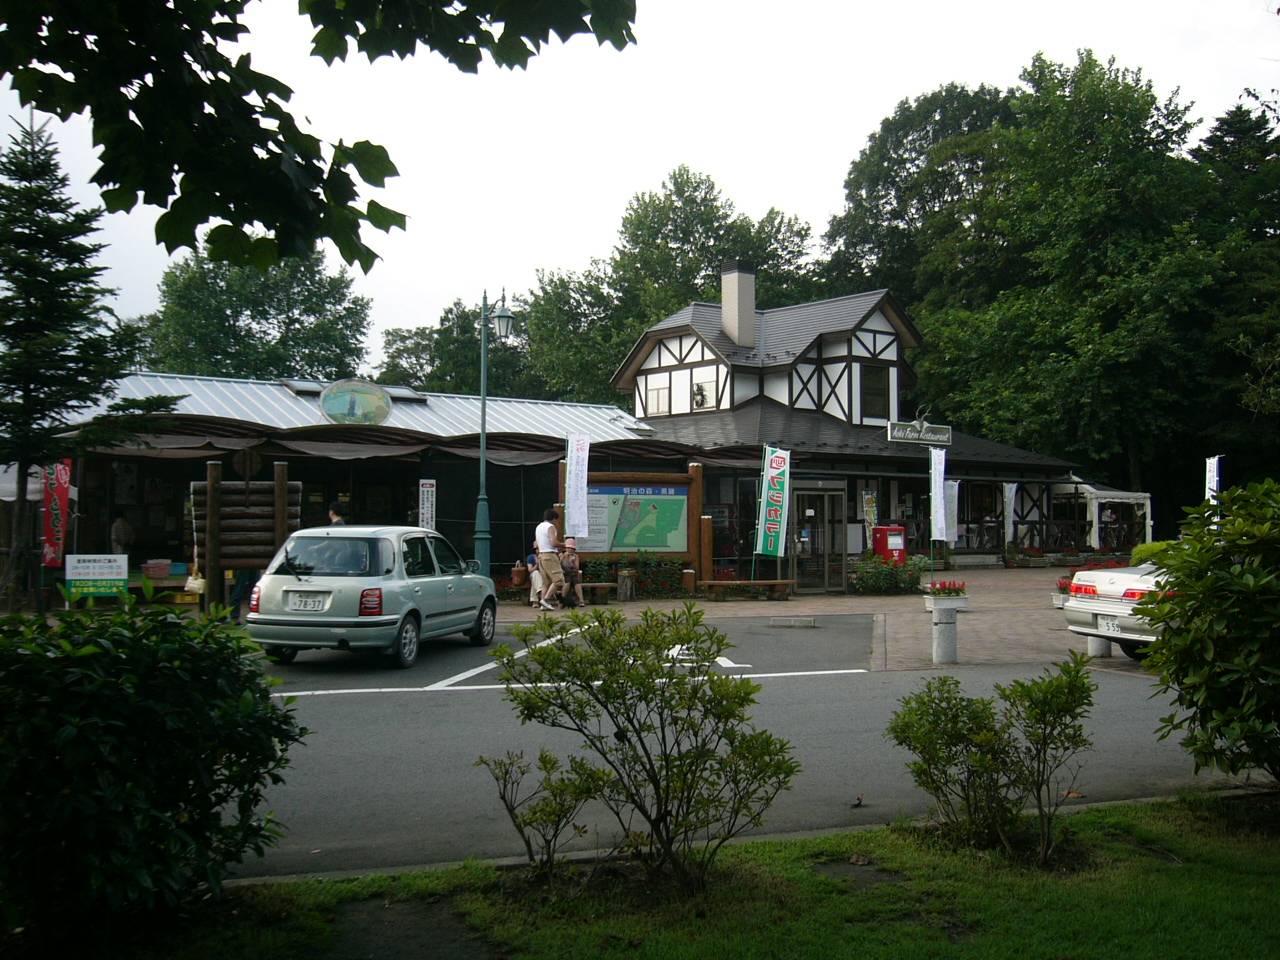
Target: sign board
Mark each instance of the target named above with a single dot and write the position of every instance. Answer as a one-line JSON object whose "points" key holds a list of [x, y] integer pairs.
{"points": [[633, 518], [97, 574], [917, 431], [427, 504]]}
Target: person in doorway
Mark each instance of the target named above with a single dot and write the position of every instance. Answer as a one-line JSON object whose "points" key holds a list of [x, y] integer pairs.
{"points": [[569, 563], [547, 538], [535, 577], [121, 534], [337, 514]]}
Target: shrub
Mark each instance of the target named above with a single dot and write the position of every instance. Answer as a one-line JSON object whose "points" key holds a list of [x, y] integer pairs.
{"points": [[135, 746], [873, 575], [676, 760], [1218, 653], [658, 577], [1144, 552], [545, 812]]}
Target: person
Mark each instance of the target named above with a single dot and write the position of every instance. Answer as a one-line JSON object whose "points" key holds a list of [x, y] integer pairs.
{"points": [[121, 534], [535, 577], [337, 514], [548, 541], [569, 563]]}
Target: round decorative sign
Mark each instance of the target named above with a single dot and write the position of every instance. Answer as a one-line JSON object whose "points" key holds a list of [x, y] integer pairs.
{"points": [[355, 401]]}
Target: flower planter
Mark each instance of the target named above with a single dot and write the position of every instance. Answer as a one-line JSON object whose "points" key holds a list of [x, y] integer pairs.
{"points": [[1029, 561], [1070, 559], [1059, 599], [932, 603]]}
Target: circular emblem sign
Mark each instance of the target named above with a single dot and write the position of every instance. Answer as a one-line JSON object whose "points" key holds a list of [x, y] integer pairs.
{"points": [[355, 401]]}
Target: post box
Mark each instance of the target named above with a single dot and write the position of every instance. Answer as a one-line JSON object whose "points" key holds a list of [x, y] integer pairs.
{"points": [[890, 543]]}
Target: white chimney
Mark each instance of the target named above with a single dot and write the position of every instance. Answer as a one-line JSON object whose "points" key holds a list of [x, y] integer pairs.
{"points": [[738, 302]]}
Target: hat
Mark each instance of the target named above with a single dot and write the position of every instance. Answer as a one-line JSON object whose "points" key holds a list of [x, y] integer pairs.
{"points": [[571, 542]]}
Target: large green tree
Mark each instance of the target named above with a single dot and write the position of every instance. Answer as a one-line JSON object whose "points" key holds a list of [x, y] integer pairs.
{"points": [[446, 358], [59, 355], [184, 127], [293, 320]]}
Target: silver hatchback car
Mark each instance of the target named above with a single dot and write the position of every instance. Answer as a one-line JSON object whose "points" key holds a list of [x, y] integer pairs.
{"points": [[1101, 602], [369, 588]]}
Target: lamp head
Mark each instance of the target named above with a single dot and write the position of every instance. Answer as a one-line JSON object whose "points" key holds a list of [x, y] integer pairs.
{"points": [[502, 320]]}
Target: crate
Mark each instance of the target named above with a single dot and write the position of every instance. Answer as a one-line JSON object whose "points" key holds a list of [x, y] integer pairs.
{"points": [[155, 569], [184, 598], [179, 569]]}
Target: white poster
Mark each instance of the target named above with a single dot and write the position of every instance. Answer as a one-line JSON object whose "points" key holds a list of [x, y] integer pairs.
{"points": [[937, 493], [427, 504], [1211, 467], [96, 575], [576, 518]]}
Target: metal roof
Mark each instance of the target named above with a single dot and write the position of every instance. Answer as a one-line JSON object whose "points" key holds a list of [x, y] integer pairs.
{"points": [[247, 406]]}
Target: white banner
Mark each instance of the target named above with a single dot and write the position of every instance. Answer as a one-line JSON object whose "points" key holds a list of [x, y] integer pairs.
{"points": [[953, 511], [576, 515], [1010, 504], [937, 493], [1211, 468], [427, 504]]}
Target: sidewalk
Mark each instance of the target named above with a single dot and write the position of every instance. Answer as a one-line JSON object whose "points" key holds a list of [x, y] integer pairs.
{"points": [[1011, 618]]}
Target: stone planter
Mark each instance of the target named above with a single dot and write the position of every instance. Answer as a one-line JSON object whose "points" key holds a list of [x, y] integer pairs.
{"points": [[932, 603], [1059, 599], [1030, 561]]}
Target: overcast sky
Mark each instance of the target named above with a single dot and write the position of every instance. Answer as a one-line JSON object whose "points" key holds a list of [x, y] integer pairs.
{"points": [[506, 173]]}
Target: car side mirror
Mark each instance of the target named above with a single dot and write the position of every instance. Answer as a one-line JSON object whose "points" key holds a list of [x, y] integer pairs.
{"points": [[473, 566]]}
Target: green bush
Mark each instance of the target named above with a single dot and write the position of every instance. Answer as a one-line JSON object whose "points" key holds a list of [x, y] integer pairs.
{"points": [[657, 577], [1145, 552], [1218, 653], [676, 761], [135, 746], [873, 575]]}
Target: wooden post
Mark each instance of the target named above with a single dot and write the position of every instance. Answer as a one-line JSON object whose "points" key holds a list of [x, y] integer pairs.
{"points": [[213, 591], [695, 511], [281, 503], [705, 571]]}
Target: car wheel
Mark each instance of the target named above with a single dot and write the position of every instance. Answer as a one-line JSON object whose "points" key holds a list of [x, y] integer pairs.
{"points": [[1134, 651], [405, 653], [281, 654], [486, 625]]}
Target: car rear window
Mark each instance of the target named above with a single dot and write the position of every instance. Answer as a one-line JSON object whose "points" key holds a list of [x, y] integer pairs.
{"points": [[334, 557]]}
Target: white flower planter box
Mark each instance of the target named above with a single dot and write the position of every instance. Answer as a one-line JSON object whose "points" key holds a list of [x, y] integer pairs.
{"points": [[932, 603], [1059, 599]]}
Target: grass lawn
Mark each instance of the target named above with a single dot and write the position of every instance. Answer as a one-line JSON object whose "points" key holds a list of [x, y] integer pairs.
{"points": [[1196, 878]]}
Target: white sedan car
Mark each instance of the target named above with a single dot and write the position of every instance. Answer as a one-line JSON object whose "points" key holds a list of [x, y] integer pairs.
{"points": [[1100, 604], [379, 588]]}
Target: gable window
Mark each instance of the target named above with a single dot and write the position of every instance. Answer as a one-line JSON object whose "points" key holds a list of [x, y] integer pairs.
{"points": [[657, 400], [875, 392], [703, 392]]}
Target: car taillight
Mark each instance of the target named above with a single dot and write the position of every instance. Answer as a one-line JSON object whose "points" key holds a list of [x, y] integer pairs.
{"points": [[255, 599], [371, 602], [1135, 593], [1083, 590]]}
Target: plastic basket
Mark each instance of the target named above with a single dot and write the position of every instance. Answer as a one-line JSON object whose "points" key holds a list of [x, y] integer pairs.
{"points": [[155, 569]]}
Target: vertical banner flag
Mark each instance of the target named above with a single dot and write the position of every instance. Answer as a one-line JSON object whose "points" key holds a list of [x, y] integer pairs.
{"points": [[953, 511], [771, 523], [1211, 467], [1010, 504], [575, 485], [937, 493], [57, 491], [427, 504]]}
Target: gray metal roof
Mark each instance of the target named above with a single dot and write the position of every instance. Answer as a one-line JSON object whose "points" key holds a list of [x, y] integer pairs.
{"points": [[295, 406]]}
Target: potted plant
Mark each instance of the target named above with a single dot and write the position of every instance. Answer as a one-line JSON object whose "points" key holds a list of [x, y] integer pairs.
{"points": [[1031, 557], [946, 595], [1064, 588]]}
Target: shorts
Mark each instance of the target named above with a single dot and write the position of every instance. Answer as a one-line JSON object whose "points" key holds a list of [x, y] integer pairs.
{"points": [[549, 564]]}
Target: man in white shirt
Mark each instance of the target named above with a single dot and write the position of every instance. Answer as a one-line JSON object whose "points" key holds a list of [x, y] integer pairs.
{"points": [[548, 539]]}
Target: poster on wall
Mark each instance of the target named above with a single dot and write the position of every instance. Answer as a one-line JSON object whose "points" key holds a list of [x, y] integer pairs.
{"points": [[427, 504], [627, 519], [771, 524]]}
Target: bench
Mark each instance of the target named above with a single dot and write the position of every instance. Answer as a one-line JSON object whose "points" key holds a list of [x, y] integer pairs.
{"points": [[778, 589], [597, 592]]}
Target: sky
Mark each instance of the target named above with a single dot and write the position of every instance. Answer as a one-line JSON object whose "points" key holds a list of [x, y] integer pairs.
{"points": [[506, 173]]}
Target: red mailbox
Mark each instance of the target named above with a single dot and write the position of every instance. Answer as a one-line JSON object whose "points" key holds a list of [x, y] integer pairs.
{"points": [[890, 543]]}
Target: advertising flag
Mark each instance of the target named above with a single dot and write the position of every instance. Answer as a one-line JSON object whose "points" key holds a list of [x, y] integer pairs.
{"points": [[57, 491], [575, 486], [771, 522], [937, 493], [1212, 465]]}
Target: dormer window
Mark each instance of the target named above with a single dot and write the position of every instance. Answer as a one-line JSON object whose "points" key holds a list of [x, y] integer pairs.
{"points": [[875, 392], [657, 400], [704, 390]]}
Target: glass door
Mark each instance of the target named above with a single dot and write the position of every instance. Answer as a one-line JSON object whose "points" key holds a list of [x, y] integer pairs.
{"points": [[818, 541]]}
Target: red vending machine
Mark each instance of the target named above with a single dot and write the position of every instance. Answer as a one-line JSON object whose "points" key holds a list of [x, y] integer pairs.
{"points": [[890, 543]]}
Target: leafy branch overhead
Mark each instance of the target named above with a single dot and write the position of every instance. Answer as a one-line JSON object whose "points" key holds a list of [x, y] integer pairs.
{"points": [[184, 127]]}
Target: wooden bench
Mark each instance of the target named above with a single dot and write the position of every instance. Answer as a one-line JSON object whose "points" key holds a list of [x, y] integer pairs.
{"points": [[597, 592], [778, 589]]}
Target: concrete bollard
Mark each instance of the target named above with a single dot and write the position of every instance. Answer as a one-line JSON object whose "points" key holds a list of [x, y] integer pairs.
{"points": [[944, 635], [1099, 646]]}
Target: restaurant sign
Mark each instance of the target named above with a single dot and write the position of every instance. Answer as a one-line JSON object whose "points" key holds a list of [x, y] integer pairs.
{"points": [[918, 431]]}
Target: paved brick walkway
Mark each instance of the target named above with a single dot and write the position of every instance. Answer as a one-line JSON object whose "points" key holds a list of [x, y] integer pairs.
{"points": [[1011, 619]]}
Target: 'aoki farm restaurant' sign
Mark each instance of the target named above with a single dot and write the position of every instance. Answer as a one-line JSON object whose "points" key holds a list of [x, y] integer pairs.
{"points": [[918, 431]]}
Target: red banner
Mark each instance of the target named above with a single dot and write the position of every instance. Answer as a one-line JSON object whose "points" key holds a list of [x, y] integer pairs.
{"points": [[57, 487]]}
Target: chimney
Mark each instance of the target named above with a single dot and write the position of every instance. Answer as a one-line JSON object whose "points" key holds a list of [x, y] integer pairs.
{"points": [[738, 302]]}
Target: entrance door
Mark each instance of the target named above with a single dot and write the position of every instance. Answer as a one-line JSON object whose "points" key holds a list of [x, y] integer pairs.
{"points": [[818, 541]]}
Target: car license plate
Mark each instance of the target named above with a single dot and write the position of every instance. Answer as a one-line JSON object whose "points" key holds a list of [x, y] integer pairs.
{"points": [[1108, 624], [306, 601]]}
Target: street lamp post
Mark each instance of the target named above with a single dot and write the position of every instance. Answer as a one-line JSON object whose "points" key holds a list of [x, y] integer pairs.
{"points": [[502, 320]]}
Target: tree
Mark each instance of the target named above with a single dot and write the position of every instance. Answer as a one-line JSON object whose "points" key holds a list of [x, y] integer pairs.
{"points": [[58, 356], [446, 358], [183, 127], [293, 320]]}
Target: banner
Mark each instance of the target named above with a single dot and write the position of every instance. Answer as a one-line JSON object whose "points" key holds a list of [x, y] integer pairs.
{"points": [[1211, 478], [771, 522], [1010, 510], [57, 490], [576, 515], [427, 504], [953, 511], [937, 493]]}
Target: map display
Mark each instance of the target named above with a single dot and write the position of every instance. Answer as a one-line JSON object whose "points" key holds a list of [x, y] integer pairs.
{"points": [[633, 518]]}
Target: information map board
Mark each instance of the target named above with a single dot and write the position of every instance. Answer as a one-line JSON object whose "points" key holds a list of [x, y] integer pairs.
{"points": [[628, 519]]}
